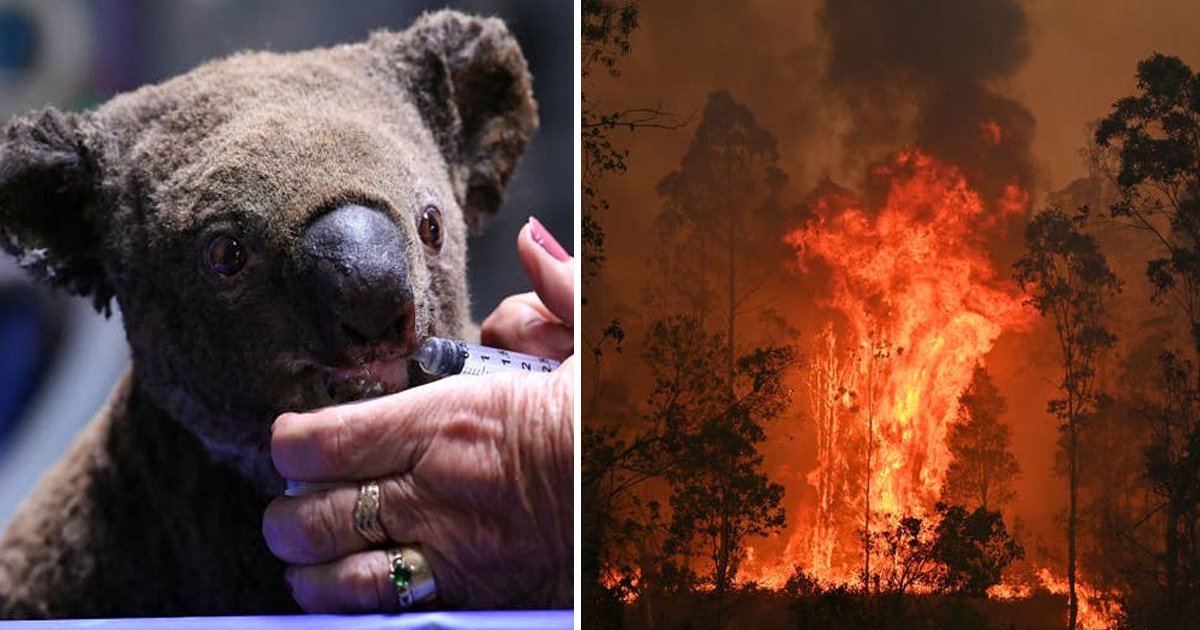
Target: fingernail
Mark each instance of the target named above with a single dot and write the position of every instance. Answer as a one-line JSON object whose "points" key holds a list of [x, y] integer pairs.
{"points": [[281, 416], [543, 237]]}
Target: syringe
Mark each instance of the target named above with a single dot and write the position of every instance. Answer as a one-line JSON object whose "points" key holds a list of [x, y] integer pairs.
{"points": [[439, 356], [446, 357]]}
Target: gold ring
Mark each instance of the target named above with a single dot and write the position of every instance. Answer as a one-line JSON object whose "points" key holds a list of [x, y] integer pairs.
{"points": [[366, 514], [410, 573]]}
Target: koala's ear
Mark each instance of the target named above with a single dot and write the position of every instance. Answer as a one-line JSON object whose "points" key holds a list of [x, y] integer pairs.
{"points": [[472, 86], [47, 204]]}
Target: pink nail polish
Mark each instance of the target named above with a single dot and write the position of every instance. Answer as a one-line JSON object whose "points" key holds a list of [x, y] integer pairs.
{"points": [[542, 237]]}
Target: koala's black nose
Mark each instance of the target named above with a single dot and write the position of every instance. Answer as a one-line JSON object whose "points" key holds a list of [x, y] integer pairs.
{"points": [[355, 267]]}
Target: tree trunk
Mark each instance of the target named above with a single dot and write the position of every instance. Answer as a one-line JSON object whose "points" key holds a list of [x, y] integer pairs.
{"points": [[870, 446], [1073, 455], [732, 304], [726, 547], [722, 565], [1171, 555]]}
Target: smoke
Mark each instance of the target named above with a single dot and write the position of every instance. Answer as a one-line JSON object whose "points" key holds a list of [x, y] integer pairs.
{"points": [[923, 72]]}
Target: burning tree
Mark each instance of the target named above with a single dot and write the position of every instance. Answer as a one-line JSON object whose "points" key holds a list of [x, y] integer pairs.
{"points": [[832, 408], [1069, 280], [983, 469], [916, 303]]}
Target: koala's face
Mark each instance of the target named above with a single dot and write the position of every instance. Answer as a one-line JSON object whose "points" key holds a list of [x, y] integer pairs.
{"points": [[280, 230]]}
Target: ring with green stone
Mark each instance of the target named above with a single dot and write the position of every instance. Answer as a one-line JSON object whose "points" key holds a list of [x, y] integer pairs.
{"points": [[412, 577]]}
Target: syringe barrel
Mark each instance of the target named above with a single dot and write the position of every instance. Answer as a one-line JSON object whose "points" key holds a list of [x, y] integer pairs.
{"points": [[445, 357]]}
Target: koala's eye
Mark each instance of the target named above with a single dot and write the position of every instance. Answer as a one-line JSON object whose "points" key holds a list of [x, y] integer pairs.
{"points": [[430, 228], [225, 255]]}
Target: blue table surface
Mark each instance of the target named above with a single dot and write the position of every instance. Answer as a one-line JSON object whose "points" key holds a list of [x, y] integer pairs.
{"points": [[490, 620]]}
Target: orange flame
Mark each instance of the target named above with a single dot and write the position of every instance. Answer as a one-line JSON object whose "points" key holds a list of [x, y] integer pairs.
{"points": [[919, 305], [1097, 609], [922, 304]]}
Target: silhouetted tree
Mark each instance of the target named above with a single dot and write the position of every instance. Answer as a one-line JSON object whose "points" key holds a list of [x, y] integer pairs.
{"points": [[906, 556], [615, 454], [606, 29], [715, 233], [1173, 470], [1069, 280], [719, 495], [953, 550], [713, 252], [973, 547], [620, 526], [1154, 139], [982, 473]]}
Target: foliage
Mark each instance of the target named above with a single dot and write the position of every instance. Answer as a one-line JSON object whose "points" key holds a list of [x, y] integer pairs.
{"points": [[907, 556], [1155, 138], [1153, 143], [1068, 280], [719, 495], [984, 467], [974, 547], [606, 30], [843, 608], [720, 220], [954, 550], [702, 445], [1172, 459]]}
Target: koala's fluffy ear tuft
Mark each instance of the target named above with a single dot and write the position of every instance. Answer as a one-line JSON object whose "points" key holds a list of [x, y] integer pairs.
{"points": [[473, 88], [47, 204]]}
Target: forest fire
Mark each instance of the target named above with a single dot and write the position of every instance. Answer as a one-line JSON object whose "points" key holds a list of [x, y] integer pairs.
{"points": [[1096, 610], [917, 304]]}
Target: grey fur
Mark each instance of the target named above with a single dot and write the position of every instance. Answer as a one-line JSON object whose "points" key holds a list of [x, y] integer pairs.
{"points": [[157, 508]]}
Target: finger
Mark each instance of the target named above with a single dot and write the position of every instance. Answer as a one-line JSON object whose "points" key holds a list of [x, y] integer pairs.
{"points": [[333, 443], [356, 583], [389, 435], [319, 527], [314, 528], [550, 269], [522, 323]]}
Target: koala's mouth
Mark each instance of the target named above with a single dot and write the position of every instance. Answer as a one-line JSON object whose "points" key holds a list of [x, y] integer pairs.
{"points": [[373, 371]]}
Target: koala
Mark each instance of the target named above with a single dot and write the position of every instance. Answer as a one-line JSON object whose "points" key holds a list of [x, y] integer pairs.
{"points": [[280, 231]]}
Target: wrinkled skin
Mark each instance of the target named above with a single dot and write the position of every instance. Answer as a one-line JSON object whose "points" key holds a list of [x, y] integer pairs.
{"points": [[475, 470], [126, 203]]}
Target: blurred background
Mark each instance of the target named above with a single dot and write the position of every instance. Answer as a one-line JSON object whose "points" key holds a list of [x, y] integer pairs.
{"points": [[58, 358]]}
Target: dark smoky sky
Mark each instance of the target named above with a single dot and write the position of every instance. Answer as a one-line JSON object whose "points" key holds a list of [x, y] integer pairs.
{"points": [[941, 59], [840, 86]]}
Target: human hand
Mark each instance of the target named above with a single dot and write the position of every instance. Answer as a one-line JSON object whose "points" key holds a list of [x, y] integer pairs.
{"points": [[540, 322], [475, 471]]}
